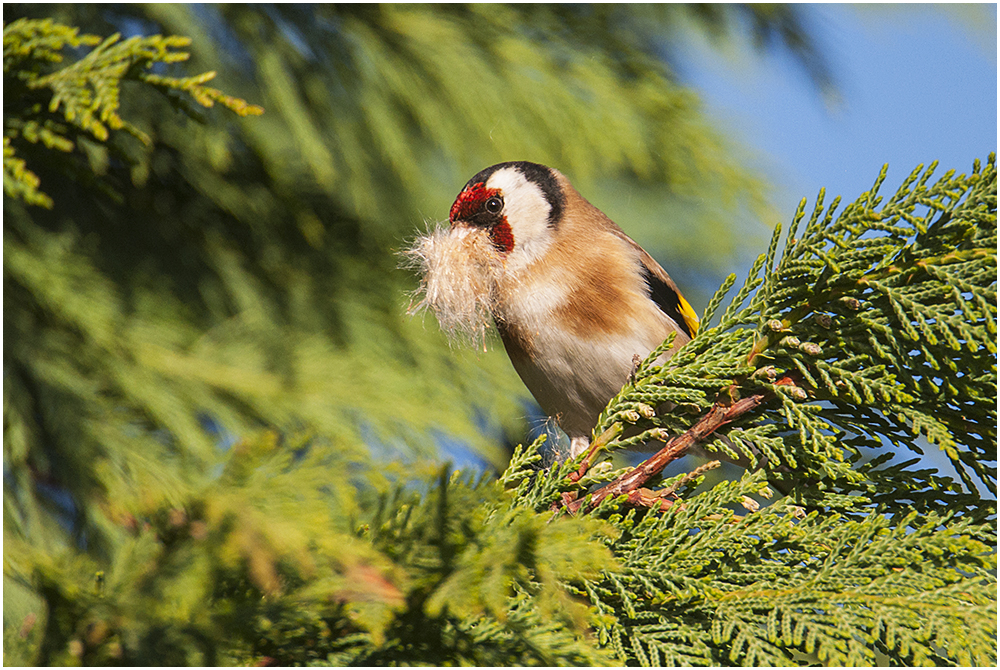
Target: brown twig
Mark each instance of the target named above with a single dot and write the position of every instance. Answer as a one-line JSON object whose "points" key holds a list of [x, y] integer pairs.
{"points": [[611, 433], [722, 412]]}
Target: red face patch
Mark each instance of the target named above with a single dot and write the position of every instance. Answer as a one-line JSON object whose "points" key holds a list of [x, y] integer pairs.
{"points": [[502, 236], [471, 202]]}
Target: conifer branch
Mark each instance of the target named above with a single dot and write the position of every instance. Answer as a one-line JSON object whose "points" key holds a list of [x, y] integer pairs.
{"points": [[842, 309], [83, 98], [722, 412], [885, 319]]}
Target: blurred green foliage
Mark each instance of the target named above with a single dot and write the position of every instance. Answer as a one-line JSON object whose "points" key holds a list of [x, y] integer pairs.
{"points": [[205, 342], [177, 280], [235, 273]]}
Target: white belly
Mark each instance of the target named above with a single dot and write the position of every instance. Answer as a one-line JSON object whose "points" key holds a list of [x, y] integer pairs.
{"points": [[573, 379]]}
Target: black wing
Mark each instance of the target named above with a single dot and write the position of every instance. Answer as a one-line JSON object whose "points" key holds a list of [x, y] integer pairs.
{"points": [[671, 302]]}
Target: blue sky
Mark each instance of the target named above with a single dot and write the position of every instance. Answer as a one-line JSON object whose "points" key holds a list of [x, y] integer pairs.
{"points": [[915, 84]]}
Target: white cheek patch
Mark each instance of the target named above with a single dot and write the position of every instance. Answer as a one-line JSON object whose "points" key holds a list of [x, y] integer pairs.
{"points": [[460, 270], [527, 212]]}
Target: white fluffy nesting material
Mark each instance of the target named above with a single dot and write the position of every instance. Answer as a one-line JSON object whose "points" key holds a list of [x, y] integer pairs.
{"points": [[461, 271]]}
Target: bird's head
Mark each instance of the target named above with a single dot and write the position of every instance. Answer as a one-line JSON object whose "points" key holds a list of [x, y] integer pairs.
{"points": [[504, 221], [518, 205]]}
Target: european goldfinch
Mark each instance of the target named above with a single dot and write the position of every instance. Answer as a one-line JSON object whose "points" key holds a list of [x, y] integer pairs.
{"points": [[573, 297]]}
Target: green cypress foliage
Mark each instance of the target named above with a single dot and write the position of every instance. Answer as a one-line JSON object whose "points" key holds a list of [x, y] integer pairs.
{"points": [[882, 322], [188, 415], [83, 97]]}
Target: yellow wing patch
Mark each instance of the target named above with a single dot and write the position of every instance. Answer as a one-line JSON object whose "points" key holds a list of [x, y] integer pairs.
{"points": [[689, 315]]}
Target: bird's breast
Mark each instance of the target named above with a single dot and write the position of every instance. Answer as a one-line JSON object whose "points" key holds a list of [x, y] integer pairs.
{"points": [[573, 345]]}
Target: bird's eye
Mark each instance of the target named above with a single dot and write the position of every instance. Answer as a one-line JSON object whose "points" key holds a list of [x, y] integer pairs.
{"points": [[494, 205]]}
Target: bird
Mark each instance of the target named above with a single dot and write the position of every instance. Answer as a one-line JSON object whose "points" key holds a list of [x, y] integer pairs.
{"points": [[573, 298]]}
